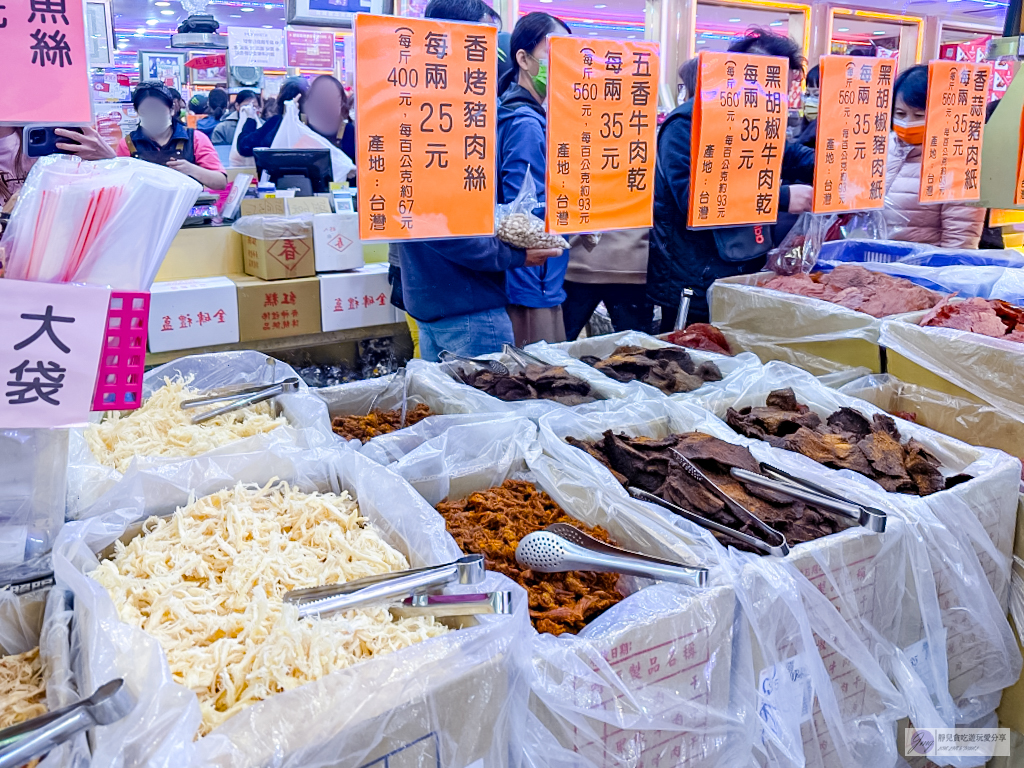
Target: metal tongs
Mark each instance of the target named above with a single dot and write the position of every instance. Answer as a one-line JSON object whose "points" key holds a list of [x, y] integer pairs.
{"points": [[409, 589], [797, 488], [25, 741], [401, 377], [490, 365], [561, 547], [774, 543], [523, 357], [240, 397]]}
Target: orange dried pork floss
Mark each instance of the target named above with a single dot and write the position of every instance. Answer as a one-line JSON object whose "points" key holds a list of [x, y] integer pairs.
{"points": [[492, 522]]}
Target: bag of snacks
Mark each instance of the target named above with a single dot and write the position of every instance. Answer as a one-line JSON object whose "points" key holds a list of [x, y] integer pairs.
{"points": [[156, 451], [350, 689], [801, 245], [515, 223]]}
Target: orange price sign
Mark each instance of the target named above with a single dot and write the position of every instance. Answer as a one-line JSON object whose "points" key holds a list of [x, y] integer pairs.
{"points": [[425, 128], [739, 137], [953, 130], [853, 133], [602, 126]]}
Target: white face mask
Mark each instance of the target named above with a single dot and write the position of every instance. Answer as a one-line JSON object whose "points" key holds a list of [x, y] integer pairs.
{"points": [[155, 124]]}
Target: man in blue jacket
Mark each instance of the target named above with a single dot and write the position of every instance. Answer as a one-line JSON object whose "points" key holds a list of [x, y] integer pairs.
{"points": [[455, 288]]}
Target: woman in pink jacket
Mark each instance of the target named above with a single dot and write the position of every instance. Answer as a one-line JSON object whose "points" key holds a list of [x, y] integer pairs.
{"points": [[954, 225]]}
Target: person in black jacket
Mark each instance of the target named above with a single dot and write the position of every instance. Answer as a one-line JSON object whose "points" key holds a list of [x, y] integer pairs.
{"points": [[812, 94], [325, 108], [693, 258]]}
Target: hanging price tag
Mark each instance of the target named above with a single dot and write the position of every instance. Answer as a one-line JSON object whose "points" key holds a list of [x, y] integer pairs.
{"points": [[739, 136], [853, 133], [953, 131], [602, 126], [425, 122]]}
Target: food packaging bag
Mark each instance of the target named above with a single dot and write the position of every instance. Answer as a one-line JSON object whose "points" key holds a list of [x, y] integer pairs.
{"points": [[458, 699], [964, 537], [32, 493], [988, 368], [813, 334], [957, 417], [236, 160], [160, 484], [385, 393], [43, 617], [605, 346], [650, 681], [845, 589], [799, 250], [294, 134], [436, 380]]}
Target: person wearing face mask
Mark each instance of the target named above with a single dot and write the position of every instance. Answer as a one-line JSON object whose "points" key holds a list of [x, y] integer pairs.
{"points": [[687, 81], [812, 94], [162, 139], [324, 106], [246, 102], [535, 293], [948, 225]]}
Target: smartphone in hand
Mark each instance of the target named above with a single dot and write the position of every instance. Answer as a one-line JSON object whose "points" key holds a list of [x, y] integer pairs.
{"points": [[42, 140]]}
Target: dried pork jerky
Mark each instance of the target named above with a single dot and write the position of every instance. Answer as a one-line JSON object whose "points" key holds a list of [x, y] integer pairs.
{"points": [[377, 422], [535, 382], [846, 440], [492, 522], [670, 369]]}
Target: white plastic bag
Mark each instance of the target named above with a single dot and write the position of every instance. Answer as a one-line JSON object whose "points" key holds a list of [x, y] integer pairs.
{"points": [[235, 160], [605, 346], [516, 224], [412, 701], [846, 588], [798, 252], [294, 134], [43, 618], [964, 537], [663, 677], [275, 227], [163, 483], [385, 393]]}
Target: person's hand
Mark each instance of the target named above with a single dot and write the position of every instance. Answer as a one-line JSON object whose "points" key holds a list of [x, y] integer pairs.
{"points": [[537, 256], [88, 144], [184, 166], [801, 198]]}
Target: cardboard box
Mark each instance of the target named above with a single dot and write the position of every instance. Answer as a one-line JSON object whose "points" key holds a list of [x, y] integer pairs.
{"points": [[278, 259], [284, 206], [202, 252], [356, 299], [186, 314], [336, 244], [278, 309]]}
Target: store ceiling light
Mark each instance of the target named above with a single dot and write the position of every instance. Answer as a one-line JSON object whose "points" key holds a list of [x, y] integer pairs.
{"points": [[140, 31], [268, 6], [879, 32], [268, 26], [152, 22], [776, 24], [167, 13], [735, 21], [248, 10], [236, 15], [701, 42], [843, 29], [161, 4]]}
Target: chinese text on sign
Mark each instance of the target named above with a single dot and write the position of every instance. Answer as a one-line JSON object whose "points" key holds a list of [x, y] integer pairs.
{"points": [[602, 124], [46, 67], [853, 133], [955, 124], [739, 136], [425, 128]]}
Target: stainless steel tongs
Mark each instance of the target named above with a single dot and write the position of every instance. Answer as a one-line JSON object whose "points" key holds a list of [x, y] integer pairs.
{"points": [[523, 357], [798, 488], [408, 589], [240, 398], [774, 543], [561, 547], [25, 741]]}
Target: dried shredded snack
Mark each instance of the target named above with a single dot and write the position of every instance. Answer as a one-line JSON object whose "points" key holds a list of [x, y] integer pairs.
{"points": [[492, 522], [208, 584], [377, 422], [22, 689], [161, 428]]}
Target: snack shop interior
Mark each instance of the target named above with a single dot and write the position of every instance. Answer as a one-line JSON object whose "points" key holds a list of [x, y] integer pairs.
{"points": [[512, 384]]}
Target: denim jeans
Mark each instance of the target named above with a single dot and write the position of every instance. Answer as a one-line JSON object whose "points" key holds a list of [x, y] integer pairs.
{"points": [[479, 333], [627, 305]]}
